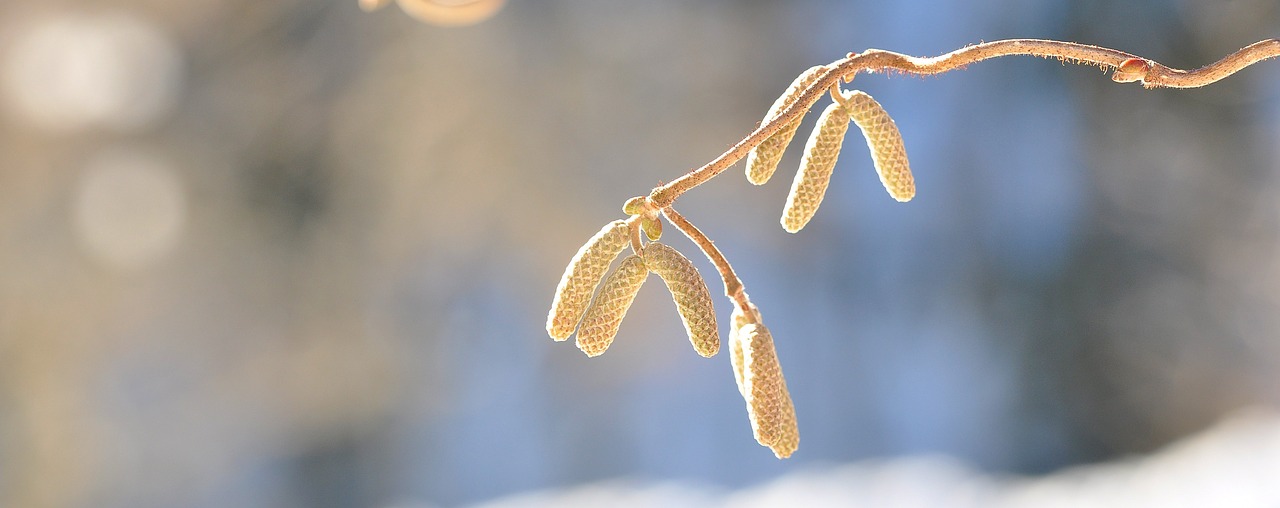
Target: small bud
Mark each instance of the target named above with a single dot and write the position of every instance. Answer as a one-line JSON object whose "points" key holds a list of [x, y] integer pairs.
{"points": [[601, 322], [690, 293], [634, 206], [820, 154], [773, 416], [763, 160], [652, 228], [581, 277], [1131, 70], [885, 142]]}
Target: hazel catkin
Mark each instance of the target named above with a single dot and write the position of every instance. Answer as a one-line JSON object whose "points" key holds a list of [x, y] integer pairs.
{"points": [[763, 160], [773, 417], [581, 277], [737, 321], [600, 324], [885, 142], [689, 290], [820, 154]]}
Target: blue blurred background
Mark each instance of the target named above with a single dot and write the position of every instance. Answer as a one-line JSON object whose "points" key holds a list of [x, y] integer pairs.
{"points": [[287, 253]]}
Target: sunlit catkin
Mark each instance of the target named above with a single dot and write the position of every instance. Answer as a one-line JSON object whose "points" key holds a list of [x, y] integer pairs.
{"points": [[737, 321], [605, 314], [820, 154], [773, 417], [762, 161], [581, 278], [690, 293], [885, 142]]}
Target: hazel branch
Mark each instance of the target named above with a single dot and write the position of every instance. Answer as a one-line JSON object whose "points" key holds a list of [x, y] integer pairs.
{"points": [[733, 287], [1128, 68]]}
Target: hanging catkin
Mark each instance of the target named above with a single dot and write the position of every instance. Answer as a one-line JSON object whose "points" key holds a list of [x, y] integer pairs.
{"points": [[690, 293], [737, 321], [773, 417], [581, 277], [820, 154], [605, 314], [762, 161], [885, 142]]}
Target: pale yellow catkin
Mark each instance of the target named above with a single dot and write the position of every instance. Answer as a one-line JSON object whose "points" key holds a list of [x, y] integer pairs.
{"points": [[600, 324], [690, 293], [820, 154], [737, 321], [773, 417], [763, 160], [885, 142], [581, 277]]}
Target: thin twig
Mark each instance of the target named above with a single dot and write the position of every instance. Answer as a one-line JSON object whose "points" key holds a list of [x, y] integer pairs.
{"points": [[1149, 72], [732, 284], [633, 227]]}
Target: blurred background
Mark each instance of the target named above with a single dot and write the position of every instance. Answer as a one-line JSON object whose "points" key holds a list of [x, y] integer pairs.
{"points": [[289, 253]]}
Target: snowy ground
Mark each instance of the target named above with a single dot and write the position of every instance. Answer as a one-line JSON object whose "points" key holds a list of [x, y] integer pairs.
{"points": [[1235, 463]]}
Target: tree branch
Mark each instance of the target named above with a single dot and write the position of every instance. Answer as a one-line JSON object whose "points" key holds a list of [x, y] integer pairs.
{"points": [[1128, 68]]}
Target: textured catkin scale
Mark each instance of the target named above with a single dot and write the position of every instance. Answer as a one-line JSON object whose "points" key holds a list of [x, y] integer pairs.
{"points": [[885, 142], [820, 154], [581, 277], [690, 293], [773, 417], [762, 161], [600, 324]]}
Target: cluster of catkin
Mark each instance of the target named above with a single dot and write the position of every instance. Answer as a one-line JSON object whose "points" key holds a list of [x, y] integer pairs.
{"points": [[823, 147], [593, 305], [597, 319]]}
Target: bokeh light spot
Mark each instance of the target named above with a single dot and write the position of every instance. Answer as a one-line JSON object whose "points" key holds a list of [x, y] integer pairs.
{"points": [[76, 71], [129, 209]]}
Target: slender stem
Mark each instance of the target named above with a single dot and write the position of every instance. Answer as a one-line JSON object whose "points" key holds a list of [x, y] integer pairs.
{"points": [[633, 224], [732, 284], [1151, 74]]}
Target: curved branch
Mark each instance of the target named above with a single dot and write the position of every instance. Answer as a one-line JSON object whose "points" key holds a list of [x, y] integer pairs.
{"points": [[1128, 68], [732, 284]]}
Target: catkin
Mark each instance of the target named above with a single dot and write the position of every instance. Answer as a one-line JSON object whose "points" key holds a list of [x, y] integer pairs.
{"points": [[581, 277], [885, 142], [773, 417], [763, 159], [820, 154], [690, 293], [737, 321], [605, 314]]}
